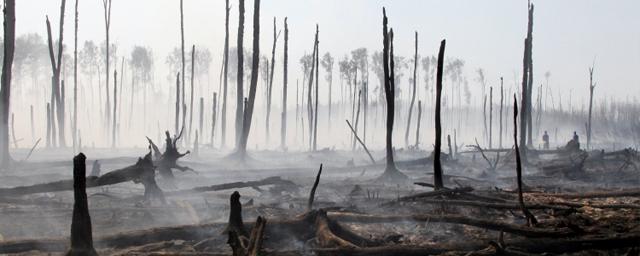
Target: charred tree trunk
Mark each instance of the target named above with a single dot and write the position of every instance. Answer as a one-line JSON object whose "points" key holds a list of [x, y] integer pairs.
{"points": [[591, 87], [177, 128], [310, 90], [490, 116], [48, 123], [201, 119], [57, 104], [501, 103], [315, 117], [437, 166], [529, 110], [270, 88], [81, 234], [240, 76], [248, 113], [223, 136], [107, 24], [33, 135], [391, 172], [9, 30], [418, 124], [531, 220], [523, 115], [283, 123], [182, 102], [74, 128], [413, 94]]}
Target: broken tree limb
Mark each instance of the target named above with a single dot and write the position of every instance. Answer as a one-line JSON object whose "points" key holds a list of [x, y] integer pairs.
{"points": [[355, 134], [312, 194]]}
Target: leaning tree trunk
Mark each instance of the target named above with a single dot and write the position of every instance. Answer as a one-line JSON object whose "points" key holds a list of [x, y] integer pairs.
{"points": [[413, 94], [437, 166], [5, 83], [270, 86], [226, 72], [248, 113], [283, 123], [74, 128]]}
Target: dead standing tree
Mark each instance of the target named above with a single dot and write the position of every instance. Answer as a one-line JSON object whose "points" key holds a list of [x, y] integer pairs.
{"points": [[193, 62], [315, 117], [74, 128], [529, 109], [270, 89], [225, 75], [592, 86], [240, 75], [437, 165], [81, 234], [9, 26], [310, 90], [391, 172], [531, 220], [106, 4], [283, 123], [56, 101], [248, 113], [413, 94]]}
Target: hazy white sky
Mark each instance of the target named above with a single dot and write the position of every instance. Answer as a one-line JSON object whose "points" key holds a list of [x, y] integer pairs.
{"points": [[568, 34]]}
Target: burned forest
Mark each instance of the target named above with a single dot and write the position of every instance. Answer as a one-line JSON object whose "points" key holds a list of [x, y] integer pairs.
{"points": [[249, 127]]}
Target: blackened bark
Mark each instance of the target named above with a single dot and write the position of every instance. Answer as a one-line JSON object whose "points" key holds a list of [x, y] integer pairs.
{"points": [[315, 117], [418, 125], [523, 115], [529, 109], [193, 62], [201, 120], [81, 234], [183, 65], [248, 113], [437, 166], [283, 123], [240, 75], [591, 87], [270, 86], [310, 90], [177, 128], [389, 92], [9, 37], [226, 72], [530, 218]]}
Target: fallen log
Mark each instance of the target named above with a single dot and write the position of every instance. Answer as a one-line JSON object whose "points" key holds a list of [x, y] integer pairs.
{"points": [[276, 180], [595, 194], [457, 219], [503, 206], [443, 191]]}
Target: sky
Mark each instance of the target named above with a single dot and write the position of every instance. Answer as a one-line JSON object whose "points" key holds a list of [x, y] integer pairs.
{"points": [[569, 35]]}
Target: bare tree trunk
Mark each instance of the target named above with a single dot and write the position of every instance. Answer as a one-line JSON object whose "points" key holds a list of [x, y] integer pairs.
{"points": [[529, 109], [115, 105], [501, 103], [183, 65], [418, 125], [310, 90], [33, 135], [484, 117], [523, 115], [74, 129], [240, 76], [283, 123], [315, 118], [270, 86], [177, 127], [9, 37], [193, 62], [55, 66], [530, 218], [107, 23], [353, 147], [213, 117], [591, 87], [490, 116], [201, 122], [48, 123], [437, 166], [413, 94], [248, 114], [223, 136]]}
